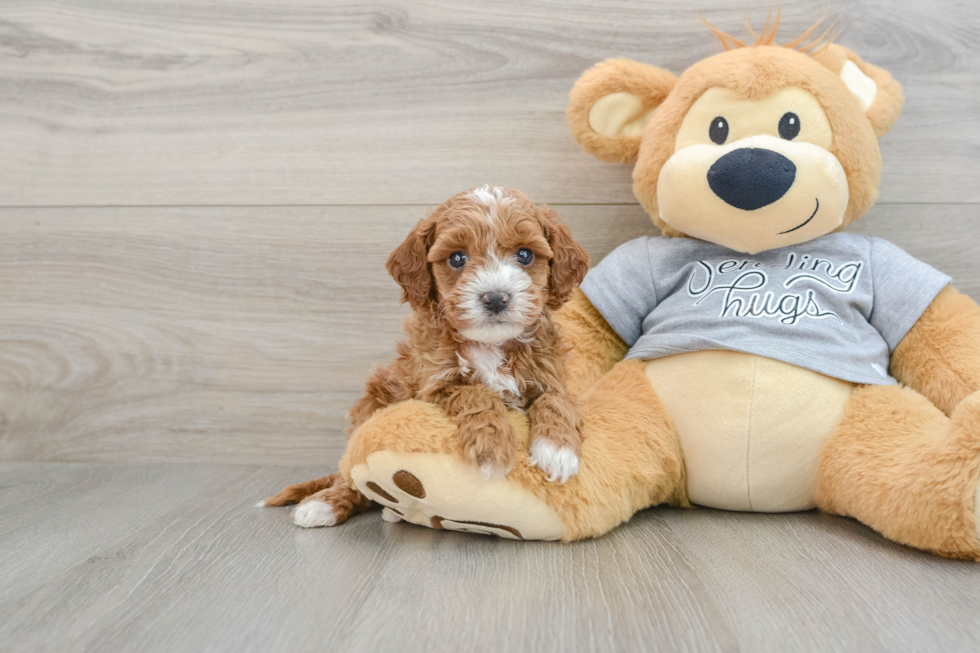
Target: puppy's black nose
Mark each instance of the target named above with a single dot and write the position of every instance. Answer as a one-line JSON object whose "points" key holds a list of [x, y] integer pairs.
{"points": [[495, 301], [751, 177]]}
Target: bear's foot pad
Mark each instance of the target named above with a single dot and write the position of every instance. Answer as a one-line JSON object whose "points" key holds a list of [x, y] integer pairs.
{"points": [[440, 491]]}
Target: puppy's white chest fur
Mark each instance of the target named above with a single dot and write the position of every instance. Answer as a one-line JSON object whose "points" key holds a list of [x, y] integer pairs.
{"points": [[487, 364]]}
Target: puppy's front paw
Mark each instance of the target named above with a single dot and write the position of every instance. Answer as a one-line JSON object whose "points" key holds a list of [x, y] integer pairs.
{"points": [[313, 514], [490, 444], [559, 462]]}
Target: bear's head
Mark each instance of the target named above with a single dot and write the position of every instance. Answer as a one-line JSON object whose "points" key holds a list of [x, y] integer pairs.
{"points": [[758, 147]]}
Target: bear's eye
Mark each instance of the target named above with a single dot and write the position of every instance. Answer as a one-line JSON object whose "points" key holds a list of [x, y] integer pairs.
{"points": [[524, 256], [789, 125], [719, 130], [457, 260]]}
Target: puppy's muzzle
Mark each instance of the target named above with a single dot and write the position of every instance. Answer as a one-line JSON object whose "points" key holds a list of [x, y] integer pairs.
{"points": [[495, 302]]}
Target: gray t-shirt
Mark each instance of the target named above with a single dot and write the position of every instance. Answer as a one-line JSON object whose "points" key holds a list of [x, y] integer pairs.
{"points": [[838, 305]]}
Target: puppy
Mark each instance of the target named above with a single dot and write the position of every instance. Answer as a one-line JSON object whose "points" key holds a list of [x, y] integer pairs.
{"points": [[483, 274]]}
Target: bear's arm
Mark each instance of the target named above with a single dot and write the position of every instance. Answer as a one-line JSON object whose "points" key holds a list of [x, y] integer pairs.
{"points": [[940, 355], [595, 345]]}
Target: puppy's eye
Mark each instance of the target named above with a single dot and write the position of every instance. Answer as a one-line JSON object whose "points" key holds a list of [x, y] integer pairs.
{"points": [[789, 125], [457, 260], [718, 132], [524, 256]]}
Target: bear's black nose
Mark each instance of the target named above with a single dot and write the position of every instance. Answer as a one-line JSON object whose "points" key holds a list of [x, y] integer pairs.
{"points": [[751, 177]]}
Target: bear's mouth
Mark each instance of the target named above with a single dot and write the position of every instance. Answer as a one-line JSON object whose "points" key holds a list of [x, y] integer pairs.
{"points": [[805, 222]]}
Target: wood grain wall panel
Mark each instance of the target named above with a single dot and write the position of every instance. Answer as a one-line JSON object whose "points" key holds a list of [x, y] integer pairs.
{"points": [[403, 101], [243, 334]]}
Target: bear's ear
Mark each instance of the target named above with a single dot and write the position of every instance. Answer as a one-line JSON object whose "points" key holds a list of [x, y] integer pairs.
{"points": [[610, 105], [879, 95]]}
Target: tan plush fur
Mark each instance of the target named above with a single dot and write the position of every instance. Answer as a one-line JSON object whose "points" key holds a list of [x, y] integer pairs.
{"points": [[752, 72], [939, 356], [624, 474], [597, 346], [648, 83], [883, 113], [900, 466], [895, 461], [755, 73], [903, 459]]}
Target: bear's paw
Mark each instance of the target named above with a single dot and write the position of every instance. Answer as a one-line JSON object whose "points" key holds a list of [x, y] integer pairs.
{"points": [[440, 491]]}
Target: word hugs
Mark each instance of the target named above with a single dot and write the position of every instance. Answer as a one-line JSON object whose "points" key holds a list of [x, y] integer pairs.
{"points": [[787, 291]]}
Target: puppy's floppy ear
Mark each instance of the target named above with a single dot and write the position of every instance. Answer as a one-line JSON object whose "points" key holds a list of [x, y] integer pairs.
{"points": [[409, 266], [610, 105], [878, 93], [569, 262]]}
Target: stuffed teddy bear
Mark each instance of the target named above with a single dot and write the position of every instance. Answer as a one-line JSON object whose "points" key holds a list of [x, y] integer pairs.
{"points": [[755, 357]]}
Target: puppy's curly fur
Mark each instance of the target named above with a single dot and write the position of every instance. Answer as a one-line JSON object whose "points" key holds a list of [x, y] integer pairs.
{"points": [[469, 361], [483, 273]]}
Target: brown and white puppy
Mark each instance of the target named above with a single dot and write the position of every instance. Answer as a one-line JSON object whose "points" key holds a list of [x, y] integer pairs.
{"points": [[483, 274]]}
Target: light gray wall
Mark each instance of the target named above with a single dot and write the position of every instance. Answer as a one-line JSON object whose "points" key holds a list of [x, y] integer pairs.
{"points": [[197, 199]]}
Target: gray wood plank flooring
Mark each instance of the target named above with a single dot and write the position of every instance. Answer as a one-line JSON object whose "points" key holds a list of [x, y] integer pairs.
{"points": [[152, 558]]}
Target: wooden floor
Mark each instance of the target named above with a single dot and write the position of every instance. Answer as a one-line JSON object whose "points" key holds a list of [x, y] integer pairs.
{"points": [[135, 558], [196, 202]]}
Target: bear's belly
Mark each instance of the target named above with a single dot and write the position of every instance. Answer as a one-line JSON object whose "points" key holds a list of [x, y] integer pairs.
{"points": [[751, 428]]}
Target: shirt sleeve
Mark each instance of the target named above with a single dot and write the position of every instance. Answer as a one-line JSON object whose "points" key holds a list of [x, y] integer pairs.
{"points": [[621, 288], [903, 288]]}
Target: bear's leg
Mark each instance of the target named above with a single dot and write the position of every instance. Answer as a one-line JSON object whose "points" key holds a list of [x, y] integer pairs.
{"points": [[331, 506], [408, 457], [631, 456], [898, 464]]}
